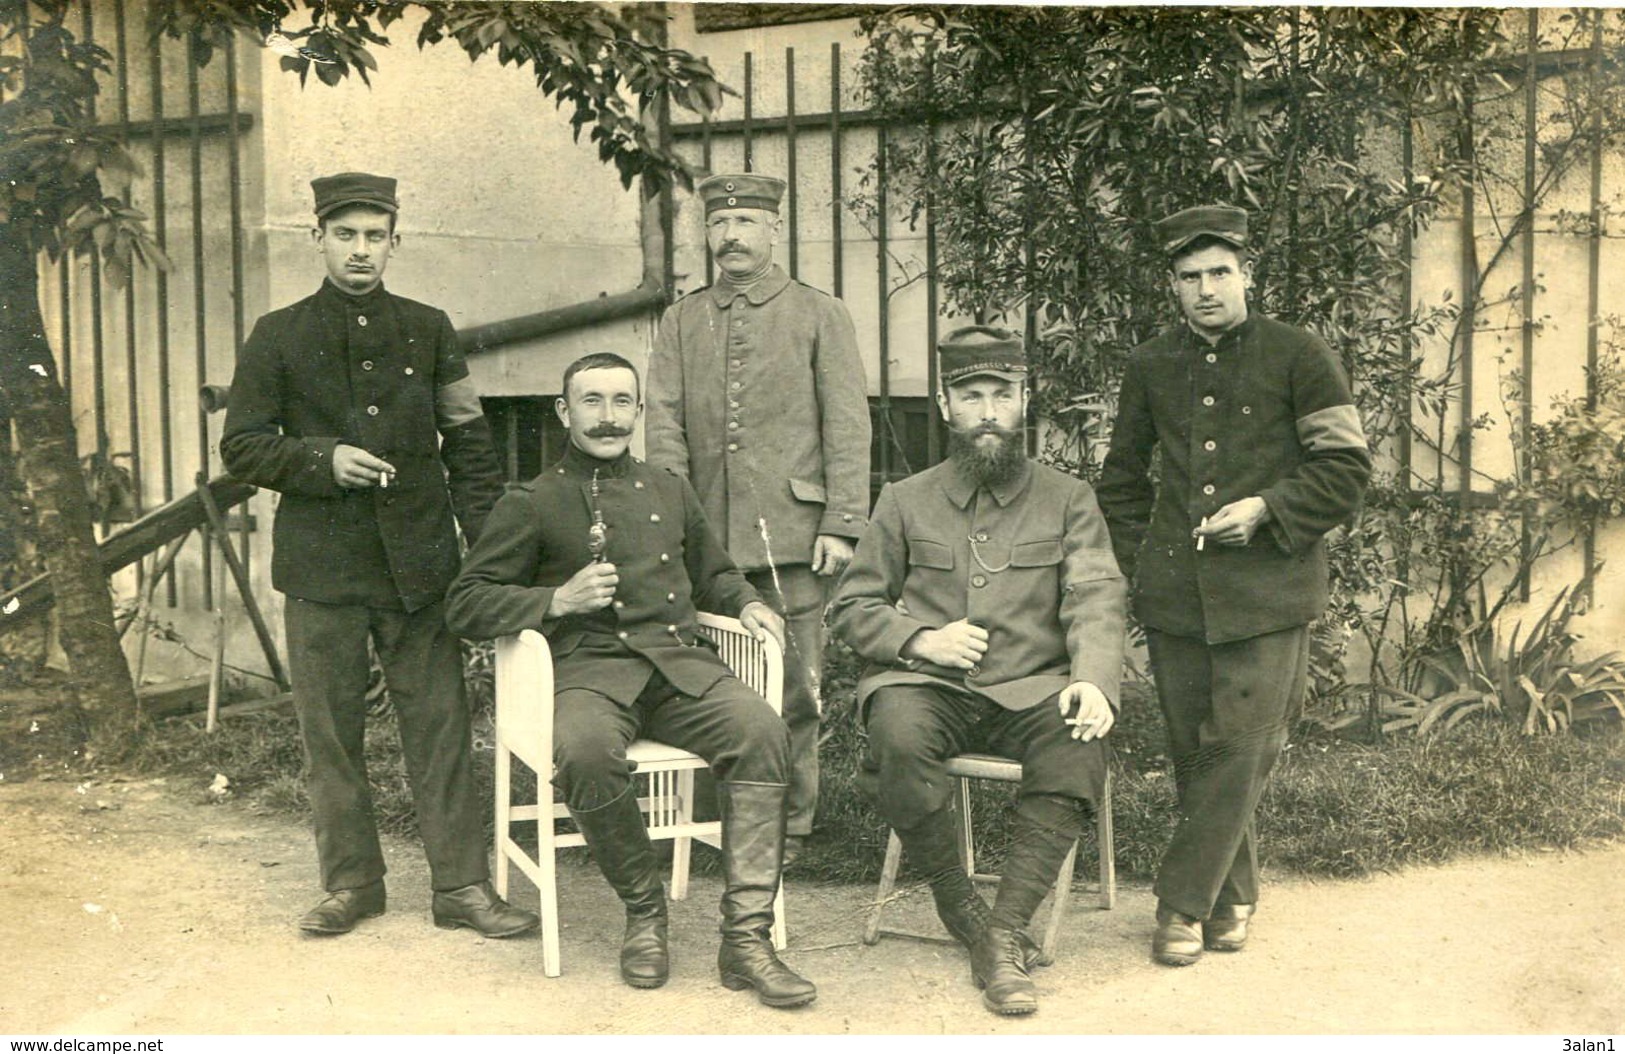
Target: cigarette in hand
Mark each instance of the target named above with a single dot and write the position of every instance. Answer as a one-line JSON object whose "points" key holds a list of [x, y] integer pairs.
{"points": [[1200, 538], [383, 481]]}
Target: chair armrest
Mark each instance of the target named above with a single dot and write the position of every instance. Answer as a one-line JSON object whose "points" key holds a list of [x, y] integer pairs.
{"points": [[524, 687], [758, 663]]}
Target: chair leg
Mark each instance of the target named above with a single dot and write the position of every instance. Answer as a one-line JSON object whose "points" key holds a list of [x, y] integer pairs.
{"points": [[1057, 911], [1107, 849], [680, 846], [888, 881], [781, 931], [547, 863], [967, 833], [503, 793]]}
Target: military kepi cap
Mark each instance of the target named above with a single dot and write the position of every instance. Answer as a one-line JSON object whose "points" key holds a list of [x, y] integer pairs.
{"points": [[1224, 222], [743, 190], [972, 351], [354, 188]]}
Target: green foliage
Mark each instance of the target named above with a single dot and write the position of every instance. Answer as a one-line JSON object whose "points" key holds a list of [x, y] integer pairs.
{"points": [[603, 62], [61, 180], [1046, 141]]}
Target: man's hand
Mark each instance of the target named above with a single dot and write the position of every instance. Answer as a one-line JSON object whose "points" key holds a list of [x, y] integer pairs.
{"points": [[1084, 707], [1236, 523], [958, 645], [589, 589], [831, 554], [354, 467], [758, 618]]}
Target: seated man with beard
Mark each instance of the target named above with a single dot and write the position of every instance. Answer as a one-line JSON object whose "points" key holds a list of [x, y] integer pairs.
{"points": [[986, 599]]}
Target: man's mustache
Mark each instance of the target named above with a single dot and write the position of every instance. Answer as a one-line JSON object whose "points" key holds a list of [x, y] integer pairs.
{"points": [[986, 428], [604, 431]]}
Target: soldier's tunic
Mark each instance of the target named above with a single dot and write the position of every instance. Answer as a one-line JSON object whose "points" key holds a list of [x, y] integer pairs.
{"points": [[383, 373], [757, 395], [1031, 562], [1265, 411], [638, 666]]}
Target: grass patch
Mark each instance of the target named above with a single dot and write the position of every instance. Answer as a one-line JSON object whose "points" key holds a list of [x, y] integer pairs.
{"points": [[1333, 808]]}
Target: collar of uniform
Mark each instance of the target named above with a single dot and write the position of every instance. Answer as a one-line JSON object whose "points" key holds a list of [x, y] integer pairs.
{"points": [[758, 292], [1228, 339], [960, 490], [577, 462], [331, 295]]}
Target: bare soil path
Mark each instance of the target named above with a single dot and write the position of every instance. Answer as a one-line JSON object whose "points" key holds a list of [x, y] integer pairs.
{"points": [[126, 909]]}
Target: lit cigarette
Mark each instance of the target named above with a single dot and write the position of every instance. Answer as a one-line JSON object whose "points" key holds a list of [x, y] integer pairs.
{"points": [[1200, 538], [383, 481]]}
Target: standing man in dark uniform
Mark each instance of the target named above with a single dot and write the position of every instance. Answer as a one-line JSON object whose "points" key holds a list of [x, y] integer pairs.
{"points": [[1262, 454], [357, 406], [987, 602], [611, 560], [757, 396]]}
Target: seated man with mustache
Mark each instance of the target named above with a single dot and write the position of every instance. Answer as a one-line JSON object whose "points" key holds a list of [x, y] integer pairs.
{"points": [[986, 599], [611, 560]]}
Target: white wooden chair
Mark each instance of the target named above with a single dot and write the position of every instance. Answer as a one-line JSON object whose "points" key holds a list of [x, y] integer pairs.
{"points": [[524, 730], [967, 767]]}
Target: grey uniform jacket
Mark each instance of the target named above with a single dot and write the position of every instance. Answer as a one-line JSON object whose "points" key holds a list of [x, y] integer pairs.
{"points": [[757, 396]]}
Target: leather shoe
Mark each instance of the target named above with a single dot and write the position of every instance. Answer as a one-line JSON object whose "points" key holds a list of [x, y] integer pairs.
{"points": [[996, 966], [480, 909], [1226, 929], [967, 916], [752, 963], [1178, 940], [340, 910], [645, 962]]}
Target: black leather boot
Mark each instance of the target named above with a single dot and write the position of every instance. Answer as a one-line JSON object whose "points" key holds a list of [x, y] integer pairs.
{"points": [[620, 843], [752, 852], [932, 848], [995, 963]]}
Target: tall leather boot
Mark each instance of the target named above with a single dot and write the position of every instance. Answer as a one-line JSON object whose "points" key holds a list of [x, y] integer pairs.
{"points": [[1046, 827], [932, 847], [752, 852], [620, 843]]}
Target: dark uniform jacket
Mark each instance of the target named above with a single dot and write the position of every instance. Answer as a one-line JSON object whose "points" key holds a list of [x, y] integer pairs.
{"points": [[1030, 561], [757, 396], [669, 563], [383, 373], [1265, 412]]}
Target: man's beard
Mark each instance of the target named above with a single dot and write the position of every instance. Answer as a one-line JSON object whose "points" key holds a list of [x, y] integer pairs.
{"points": [[987, 464]]}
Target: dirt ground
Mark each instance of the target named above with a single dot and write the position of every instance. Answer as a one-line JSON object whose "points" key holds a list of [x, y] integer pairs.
{"points": [[126, 909]]}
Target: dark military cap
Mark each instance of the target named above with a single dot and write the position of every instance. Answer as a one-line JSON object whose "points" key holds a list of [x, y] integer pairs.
{"points": [[971, 351], [354, 188], [743, 190], [1224, 222]]}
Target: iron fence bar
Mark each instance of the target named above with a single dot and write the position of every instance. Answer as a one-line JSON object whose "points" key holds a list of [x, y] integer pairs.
{"points": [[98, 335], [131, 356], [65, 305], [1468, 277], [1526, 408], [1407, 238], [705, 159], [200, 305], [234, 174], [884, 307], [790, 156], [933, 421], [160, 228], [837, 248], [211, 123], [748, 128], [1594, 252], [804, 122]]}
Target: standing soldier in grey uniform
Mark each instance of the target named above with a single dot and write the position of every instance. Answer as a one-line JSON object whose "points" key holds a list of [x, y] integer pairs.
{"points": [[357, 406], [985, 597], [1262, 454], [611, 559], [756, 395]]}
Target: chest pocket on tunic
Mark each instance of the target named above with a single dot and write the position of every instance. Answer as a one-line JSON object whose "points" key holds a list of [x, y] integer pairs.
{"points": [[923, 552], [1043, 553]]}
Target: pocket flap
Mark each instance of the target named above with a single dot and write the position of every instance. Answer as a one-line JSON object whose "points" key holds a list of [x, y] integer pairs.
{"points": [[923, 552], [806, 490], [1041, 553], [1092, 565]]}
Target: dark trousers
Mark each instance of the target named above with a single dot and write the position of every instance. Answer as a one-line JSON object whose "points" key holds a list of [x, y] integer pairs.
{"points": [[800, 597], [1229, 708], [730, 726], [327, 653], [915, 728]]}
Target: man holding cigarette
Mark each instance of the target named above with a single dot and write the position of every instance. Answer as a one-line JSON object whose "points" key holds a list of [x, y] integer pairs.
{"points": [[357, 406], [1262, 454], [985, 597]]}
